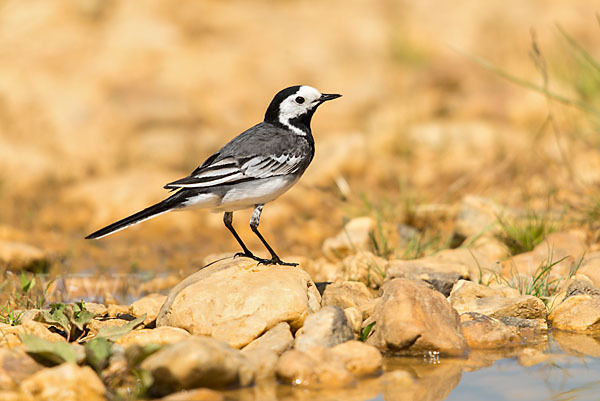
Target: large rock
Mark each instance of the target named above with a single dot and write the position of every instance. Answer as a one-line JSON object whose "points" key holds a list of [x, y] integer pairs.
{"points": [[66, 382], [442, 276], [326, 328], [238, 300], [413, 318], [197, 362], [355, 237], [578, 313]]}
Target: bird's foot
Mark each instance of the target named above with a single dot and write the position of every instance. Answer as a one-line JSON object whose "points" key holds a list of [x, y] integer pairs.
{"points": [[251, 256], [273, 261], [276, 261]]}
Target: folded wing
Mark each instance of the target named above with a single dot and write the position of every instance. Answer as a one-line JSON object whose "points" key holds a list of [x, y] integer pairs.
{"points": [[231, 171]]}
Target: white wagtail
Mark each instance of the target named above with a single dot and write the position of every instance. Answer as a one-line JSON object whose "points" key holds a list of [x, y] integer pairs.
{"points": [[254, 168]]}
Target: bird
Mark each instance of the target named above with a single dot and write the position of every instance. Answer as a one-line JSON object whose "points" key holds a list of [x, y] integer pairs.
{"points": [[254, 168]]}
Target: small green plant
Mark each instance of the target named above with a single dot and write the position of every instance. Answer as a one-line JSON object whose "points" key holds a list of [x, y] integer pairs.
{"points": [[27, 293], [97, 353], [12, 317], [46, 352], [372, 266], [524, 234], [426, 243], [541, 284], [124, 381], [380, 241], [591, 211], [72, 318], [27, 285], [366, 332]]}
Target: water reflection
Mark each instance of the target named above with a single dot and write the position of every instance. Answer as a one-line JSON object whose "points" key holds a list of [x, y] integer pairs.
{"points": [[564, 367]]}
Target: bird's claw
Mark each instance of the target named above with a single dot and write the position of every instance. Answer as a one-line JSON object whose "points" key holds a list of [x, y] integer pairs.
{"points": [[272, 261], [251, 256]]}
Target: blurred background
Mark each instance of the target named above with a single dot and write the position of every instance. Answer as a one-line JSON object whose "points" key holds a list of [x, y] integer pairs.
{"points": [[102, 102]]}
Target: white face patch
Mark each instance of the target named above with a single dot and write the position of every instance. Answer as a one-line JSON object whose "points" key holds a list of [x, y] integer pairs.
{"points": [[305, 99]]}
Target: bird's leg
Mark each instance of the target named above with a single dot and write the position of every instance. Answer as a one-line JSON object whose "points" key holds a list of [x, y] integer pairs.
{"points": [[228, 220], [254, 221]]}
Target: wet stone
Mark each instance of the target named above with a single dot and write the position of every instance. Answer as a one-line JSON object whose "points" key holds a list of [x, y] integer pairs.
{"points": [[318, 367], [484, 332], [578, 313], [531, 331], [359, 358]]}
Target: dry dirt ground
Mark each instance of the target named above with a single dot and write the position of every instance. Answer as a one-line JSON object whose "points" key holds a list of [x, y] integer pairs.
{"points": [[103, 102]]}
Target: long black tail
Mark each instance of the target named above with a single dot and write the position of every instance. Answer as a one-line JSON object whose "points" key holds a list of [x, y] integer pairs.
{"points": [[165, 206]]}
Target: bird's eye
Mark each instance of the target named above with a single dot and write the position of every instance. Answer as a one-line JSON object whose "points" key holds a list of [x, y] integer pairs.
{"points": [[299, 100]]}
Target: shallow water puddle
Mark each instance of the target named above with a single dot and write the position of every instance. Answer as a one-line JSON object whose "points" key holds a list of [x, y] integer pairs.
{"points": [[562, 372], [573, 378]]}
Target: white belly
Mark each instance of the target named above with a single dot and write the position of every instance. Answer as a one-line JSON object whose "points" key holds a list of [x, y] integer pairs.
{"points": [[244, 195], [251, 193]]}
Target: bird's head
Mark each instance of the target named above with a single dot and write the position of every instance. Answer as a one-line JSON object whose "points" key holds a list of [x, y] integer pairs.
{"points": [[294, 106]]}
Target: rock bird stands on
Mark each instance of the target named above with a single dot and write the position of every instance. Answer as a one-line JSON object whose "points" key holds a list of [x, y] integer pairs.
{"points": [[254, 168]]}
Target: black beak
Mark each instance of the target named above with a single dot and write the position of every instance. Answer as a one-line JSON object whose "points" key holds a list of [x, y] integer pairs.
{"points": [[328, 96]]}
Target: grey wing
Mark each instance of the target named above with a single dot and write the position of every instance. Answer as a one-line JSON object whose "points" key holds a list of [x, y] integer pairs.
{"points": [[231, 170]]}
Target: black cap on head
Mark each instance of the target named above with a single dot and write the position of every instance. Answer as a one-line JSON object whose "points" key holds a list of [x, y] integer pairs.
{"points": [[272, 114]]}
